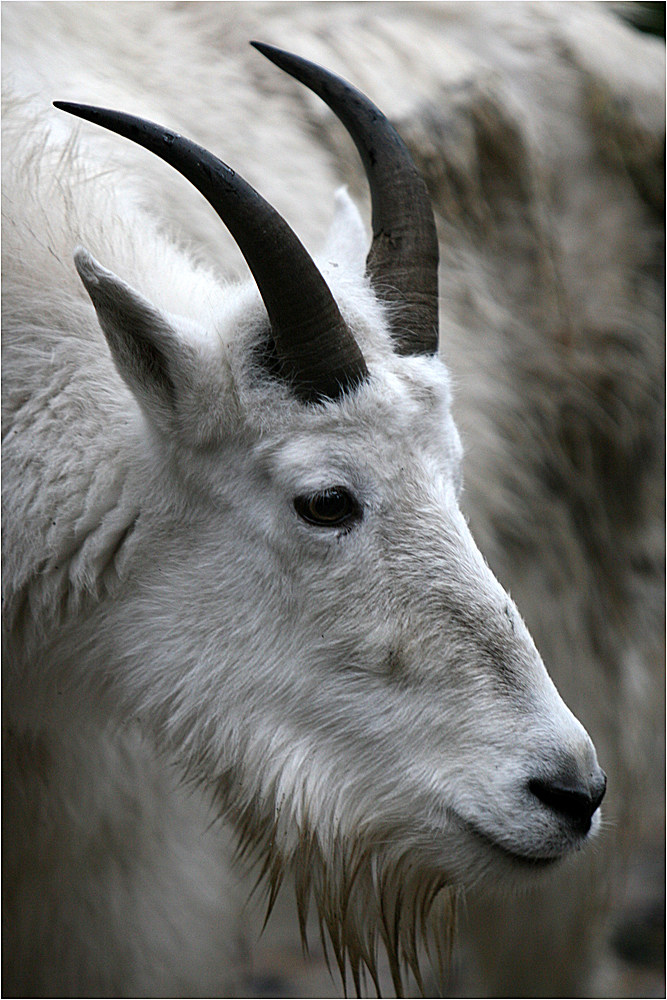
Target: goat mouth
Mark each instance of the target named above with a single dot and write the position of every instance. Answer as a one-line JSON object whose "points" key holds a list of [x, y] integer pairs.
{"points": [[535, 861], [526, 860]]}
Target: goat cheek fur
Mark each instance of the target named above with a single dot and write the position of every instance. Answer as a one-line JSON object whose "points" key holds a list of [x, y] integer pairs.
{"points": [[192, 666]]}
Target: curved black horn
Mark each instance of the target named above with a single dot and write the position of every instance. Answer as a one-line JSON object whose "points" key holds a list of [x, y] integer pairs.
{"points": [[403, 259], [315, 349]]}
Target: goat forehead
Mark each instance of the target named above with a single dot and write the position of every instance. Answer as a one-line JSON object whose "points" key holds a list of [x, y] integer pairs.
{"points": [[404, 407]]}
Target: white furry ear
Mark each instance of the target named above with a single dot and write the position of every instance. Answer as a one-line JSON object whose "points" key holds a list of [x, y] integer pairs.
{"points": [[159, 364], [347, 242]]}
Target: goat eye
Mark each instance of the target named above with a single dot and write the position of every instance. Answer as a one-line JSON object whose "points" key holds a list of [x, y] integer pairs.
{"points": [[331, 508]]}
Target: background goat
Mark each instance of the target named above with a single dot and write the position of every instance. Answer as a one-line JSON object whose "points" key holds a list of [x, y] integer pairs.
{"points": [[524, 442]]}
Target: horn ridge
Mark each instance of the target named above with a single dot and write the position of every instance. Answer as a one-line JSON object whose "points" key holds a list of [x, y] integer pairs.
{"points": [[403, 260], [317, 352]]}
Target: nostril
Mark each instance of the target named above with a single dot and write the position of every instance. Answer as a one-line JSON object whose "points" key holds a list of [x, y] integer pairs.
{"points": [[572, 803], [577, 802]]}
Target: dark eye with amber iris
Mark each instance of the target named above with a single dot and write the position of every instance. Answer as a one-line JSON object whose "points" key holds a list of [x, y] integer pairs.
{"points": [[332, 508]]}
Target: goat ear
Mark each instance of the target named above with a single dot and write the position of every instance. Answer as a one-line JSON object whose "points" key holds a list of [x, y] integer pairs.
{"points": [[347, 241], [150, 355]]}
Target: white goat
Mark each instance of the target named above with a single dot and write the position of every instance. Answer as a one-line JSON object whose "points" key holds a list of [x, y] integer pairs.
{"points": [[540, 129], [234, 528]]}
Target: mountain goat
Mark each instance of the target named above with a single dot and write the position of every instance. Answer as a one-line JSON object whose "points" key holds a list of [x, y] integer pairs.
{"points": [[343, 692], [237, 526]]}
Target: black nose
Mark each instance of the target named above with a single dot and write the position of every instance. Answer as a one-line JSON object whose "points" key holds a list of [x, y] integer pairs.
{"points": [[576, 801]]}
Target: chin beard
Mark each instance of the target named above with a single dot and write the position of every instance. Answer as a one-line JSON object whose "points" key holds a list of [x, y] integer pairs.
{"points": [[367, 898]]}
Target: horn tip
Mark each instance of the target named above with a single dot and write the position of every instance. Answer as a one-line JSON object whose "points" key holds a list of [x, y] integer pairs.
{"points": [[278, 56], [80, 110], [263, 48]]}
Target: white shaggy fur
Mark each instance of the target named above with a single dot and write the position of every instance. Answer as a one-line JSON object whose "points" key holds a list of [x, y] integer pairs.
{"points": [[368, 705]]}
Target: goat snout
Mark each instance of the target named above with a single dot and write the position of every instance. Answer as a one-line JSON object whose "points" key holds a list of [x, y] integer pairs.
{"points": [[573, 799]]}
